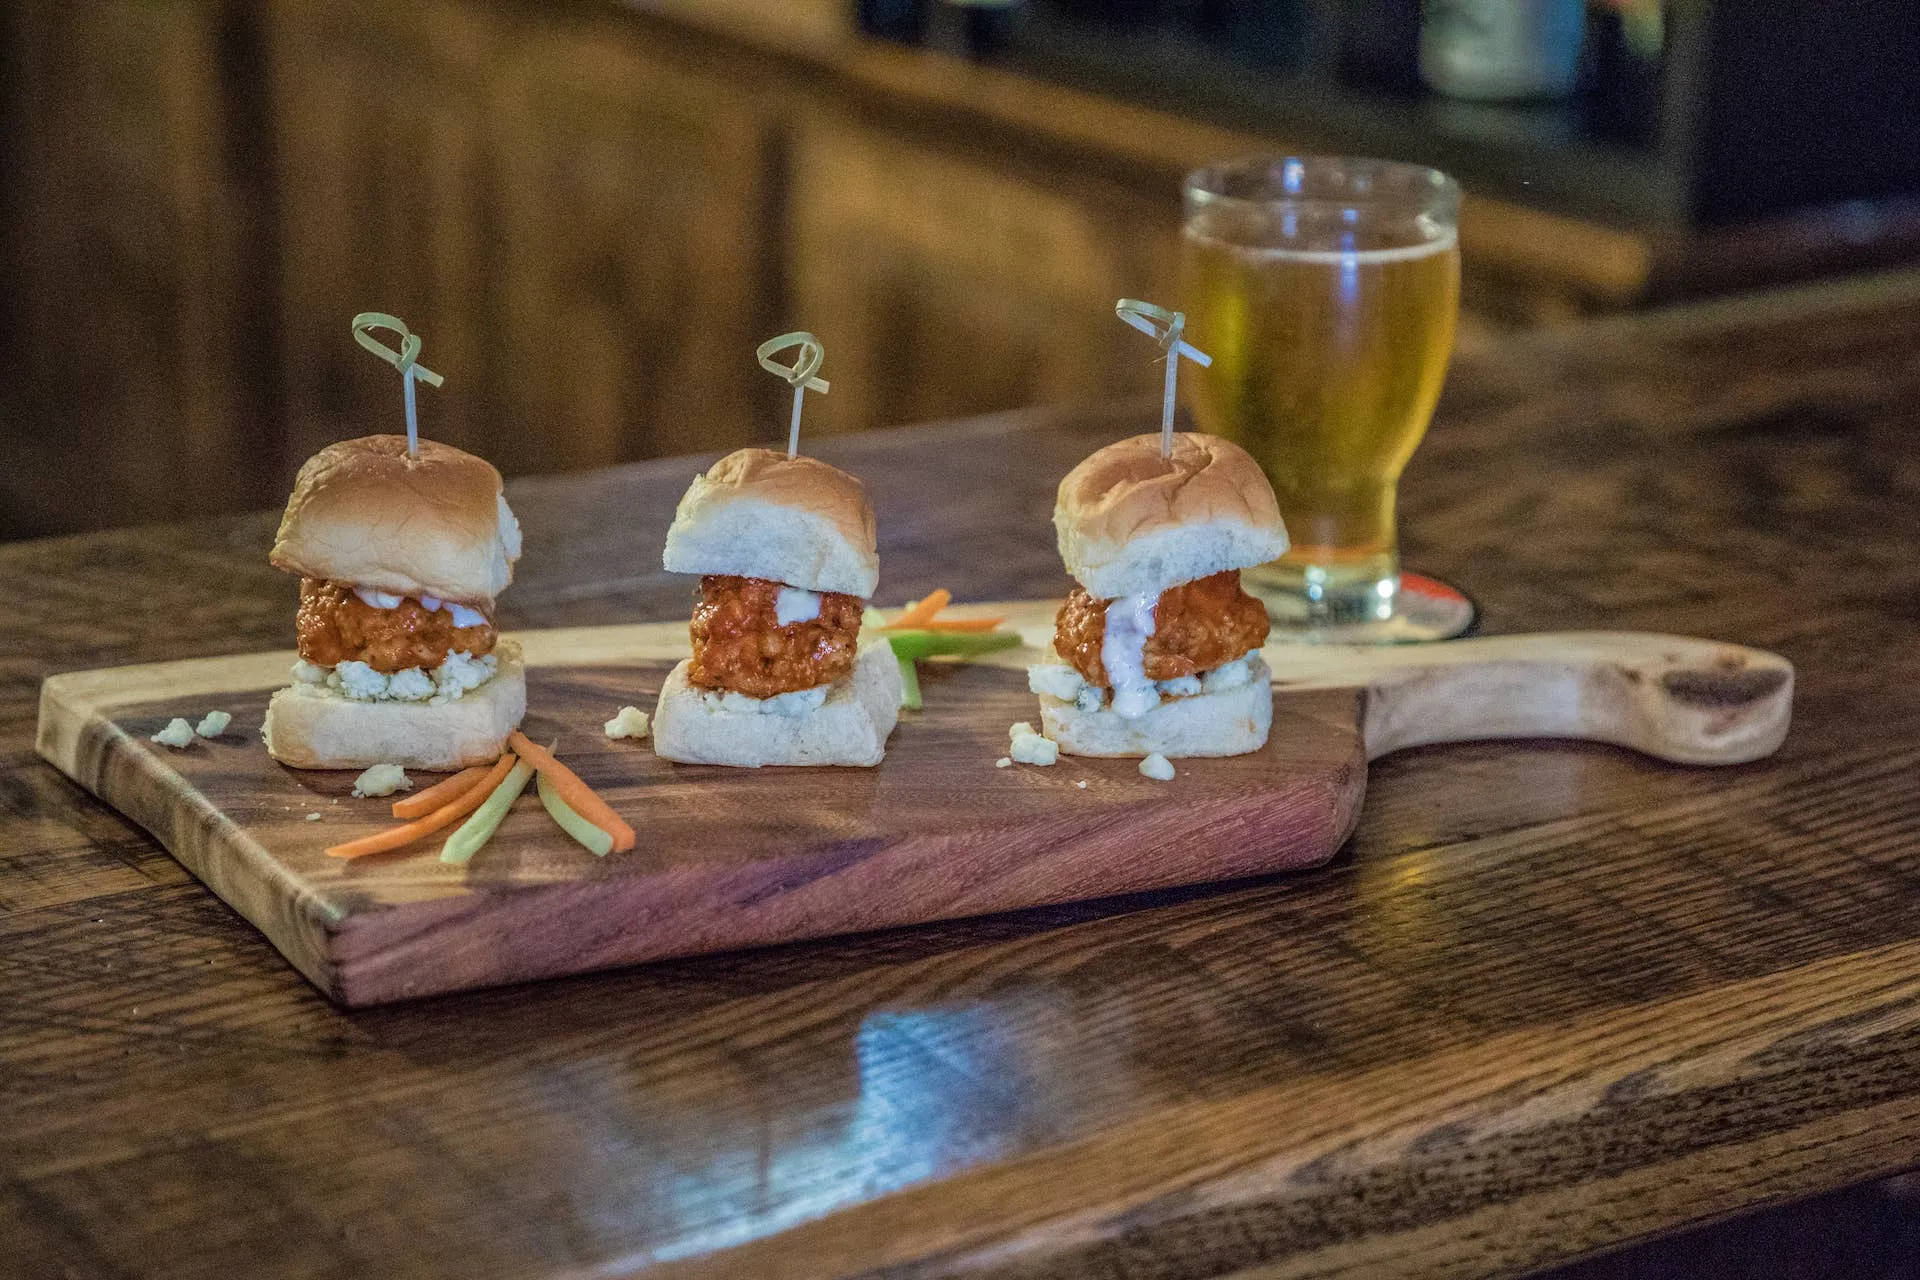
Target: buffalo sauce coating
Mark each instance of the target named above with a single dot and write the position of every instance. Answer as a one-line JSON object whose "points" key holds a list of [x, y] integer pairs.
{"points": [[1197, 626], [739, 644], [337, 626]]}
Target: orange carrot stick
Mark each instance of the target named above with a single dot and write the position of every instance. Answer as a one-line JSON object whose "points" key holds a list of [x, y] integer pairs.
{"points": [[394, 837], [961, 624], [422, 803], [578, 795], [918, 615]]}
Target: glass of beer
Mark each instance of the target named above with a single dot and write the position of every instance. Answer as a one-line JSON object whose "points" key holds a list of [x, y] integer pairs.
{"points": [[1326, 292]]}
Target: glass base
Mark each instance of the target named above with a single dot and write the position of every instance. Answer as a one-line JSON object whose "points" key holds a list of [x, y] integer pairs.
{"points": [[1405, 608]]}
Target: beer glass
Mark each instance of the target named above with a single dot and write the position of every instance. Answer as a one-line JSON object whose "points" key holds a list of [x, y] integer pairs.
{"points": [[1326, 292]]}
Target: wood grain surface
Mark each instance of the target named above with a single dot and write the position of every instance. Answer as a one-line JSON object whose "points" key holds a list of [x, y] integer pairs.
{"points": [[740, 858], [1550, 998], [728, 858]]}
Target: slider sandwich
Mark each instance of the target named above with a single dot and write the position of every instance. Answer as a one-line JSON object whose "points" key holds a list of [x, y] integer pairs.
{"points": [[1158, 647], [400, 558], [785, 549]]}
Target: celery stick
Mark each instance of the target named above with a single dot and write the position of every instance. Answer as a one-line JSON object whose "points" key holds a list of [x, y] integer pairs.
{"points": [[909, 684], [479, 829], [933, 644], [598, 842]]}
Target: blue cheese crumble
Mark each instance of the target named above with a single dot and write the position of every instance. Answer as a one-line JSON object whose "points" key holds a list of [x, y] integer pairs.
{"points": [[798, 703], [178, 734], [1058, 680], [453, 679]]}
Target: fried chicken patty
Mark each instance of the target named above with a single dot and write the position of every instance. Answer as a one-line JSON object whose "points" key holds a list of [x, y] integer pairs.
{"points": [[1197, 626], [739, 644], [337, 626]]}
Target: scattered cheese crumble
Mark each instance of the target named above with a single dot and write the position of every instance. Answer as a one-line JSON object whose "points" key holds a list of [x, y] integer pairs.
{"points": [[632, 722], [1035, 749], [1004, 762], [1082, 784], [1157, 767], [213, 724], [313, 817], [178, 734], [382, 780], [1030, 747]]}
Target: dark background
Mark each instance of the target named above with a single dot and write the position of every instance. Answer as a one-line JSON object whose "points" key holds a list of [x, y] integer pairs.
{"points": [[593, 211]]}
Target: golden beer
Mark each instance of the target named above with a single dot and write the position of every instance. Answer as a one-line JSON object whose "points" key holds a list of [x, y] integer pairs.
{"points": [[1326, 367], [1330, 325]]}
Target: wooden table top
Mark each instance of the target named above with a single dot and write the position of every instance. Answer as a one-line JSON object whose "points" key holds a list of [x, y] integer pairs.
{"points": [[1551, 998]]}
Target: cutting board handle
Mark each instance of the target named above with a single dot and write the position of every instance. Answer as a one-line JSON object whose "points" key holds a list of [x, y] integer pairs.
{"points": [[1689, 701]]}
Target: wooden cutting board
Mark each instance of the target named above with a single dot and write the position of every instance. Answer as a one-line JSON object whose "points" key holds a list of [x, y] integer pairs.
{"points": [[737, 858]]}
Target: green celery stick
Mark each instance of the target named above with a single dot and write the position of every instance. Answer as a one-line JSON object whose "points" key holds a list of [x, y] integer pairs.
{"points": [[479, 829], [910, 684], [933, 644], [598, 842]]}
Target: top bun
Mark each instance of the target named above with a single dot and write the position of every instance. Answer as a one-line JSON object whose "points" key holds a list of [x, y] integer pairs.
{"points": [[761, 514], [1131, 522], [365, 513]]}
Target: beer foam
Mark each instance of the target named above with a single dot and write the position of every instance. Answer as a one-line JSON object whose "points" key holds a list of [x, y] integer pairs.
{"points": [[1338, 257]]}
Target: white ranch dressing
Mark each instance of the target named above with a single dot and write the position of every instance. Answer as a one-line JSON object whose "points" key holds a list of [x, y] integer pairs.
{"points": [[794, 605], [1122, 653], [462, 615]]}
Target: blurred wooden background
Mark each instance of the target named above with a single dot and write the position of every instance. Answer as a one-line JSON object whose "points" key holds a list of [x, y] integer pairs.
{"points": [[592, 213]]}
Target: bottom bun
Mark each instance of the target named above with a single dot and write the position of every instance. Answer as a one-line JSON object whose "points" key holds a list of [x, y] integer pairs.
{"points": [[311, 727], [1229, 723], [850, 727]]}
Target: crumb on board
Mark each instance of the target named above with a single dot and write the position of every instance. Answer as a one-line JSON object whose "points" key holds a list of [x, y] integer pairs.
{"points": [[1030, 747], [213, 724], [313, 817], [1157, 767], [178, 734], [1082, 784], [631, 722], [1004, 762], [382, 780]]}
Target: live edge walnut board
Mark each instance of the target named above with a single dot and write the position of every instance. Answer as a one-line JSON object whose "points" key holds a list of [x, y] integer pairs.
{"points": [[731, 858]]}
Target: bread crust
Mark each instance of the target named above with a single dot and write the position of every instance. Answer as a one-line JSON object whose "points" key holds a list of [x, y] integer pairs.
{"points": [[1130, 522], [364, 512], [1231, 722], [757, 513], [849, 728], [311, 727]]}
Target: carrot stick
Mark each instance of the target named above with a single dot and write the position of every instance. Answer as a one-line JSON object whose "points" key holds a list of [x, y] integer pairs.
{"points": [[422, 803], [961, 624], [394, 837], [919, 613], [578, 795]]}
